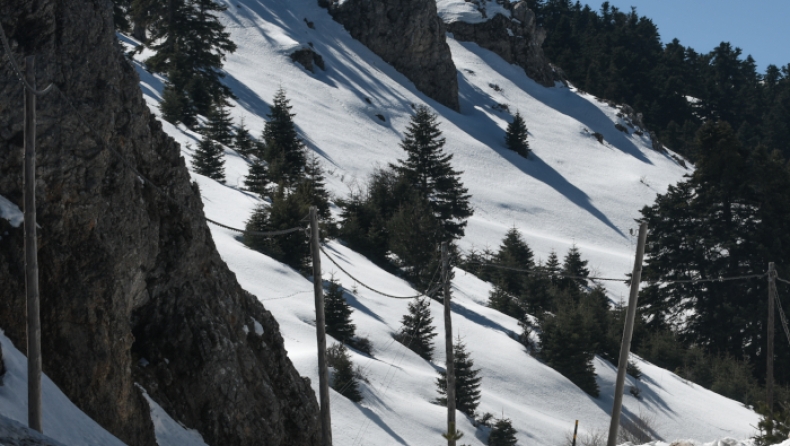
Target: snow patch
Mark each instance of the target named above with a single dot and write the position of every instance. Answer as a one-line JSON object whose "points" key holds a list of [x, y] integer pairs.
{"points": [[11, 212], [258, 327], [168, 431], [470, 12]]}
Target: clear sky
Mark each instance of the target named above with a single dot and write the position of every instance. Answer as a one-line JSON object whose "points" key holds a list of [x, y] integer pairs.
{"points": [[759, 27]]}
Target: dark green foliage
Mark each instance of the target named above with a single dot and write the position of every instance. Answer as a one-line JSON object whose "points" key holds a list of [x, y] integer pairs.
{"points": [[573, 265], [285, 212], [344, 381], [773, 430], [727, 219], [502, 433], [209, 160], [337, 313], [414, 237], [311, 190], [428, 169], [567, 347], [500, 300], [516, 136], [243, 142], [633, 369], [175, 106], [190, 45], [120, 10], [257, 179], [416, 331], [220, 125], [283, 149], [467, 381], [514, 253]]}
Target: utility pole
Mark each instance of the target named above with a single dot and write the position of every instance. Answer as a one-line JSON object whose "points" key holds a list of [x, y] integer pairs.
{"points": [[628, 332], [31, 255], [575, 430], [320, 330], [769, 378], [452, 434]]}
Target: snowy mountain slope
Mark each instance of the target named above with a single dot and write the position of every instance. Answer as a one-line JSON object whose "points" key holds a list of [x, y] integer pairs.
{"points": [[571, 190]]}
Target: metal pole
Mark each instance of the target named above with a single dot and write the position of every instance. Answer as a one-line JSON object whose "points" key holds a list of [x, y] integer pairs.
{"points": [[628, 332], [769, 378], [31, 255], [320, 330], [452, 434], [575, 430]]}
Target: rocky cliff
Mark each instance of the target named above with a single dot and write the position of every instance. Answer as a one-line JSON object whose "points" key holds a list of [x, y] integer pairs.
{"points": [[132, 287], [517, 39], [407, 34]]}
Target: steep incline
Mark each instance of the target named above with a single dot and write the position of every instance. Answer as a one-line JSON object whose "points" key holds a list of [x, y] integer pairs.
{"points": [[133, 289]]}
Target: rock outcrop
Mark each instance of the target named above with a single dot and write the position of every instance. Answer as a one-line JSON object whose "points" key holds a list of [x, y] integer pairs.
{"points": [[15, 434], [517, 39], [407, 34], [132, 287]]}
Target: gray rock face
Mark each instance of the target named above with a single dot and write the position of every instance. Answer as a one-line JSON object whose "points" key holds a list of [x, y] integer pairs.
{"points": [[518, 40], [13, 433], [407, 34], [127, 277]]}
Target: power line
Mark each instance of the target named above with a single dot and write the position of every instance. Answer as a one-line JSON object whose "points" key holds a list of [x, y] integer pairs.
{"points": [[15, 68], [286, 297], [782, 314]]}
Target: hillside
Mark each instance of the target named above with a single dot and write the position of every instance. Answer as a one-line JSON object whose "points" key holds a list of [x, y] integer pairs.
{"points": [[572, 190]]}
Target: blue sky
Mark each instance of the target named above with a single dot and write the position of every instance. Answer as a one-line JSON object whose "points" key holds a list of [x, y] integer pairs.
{"points": [[760, 28]]}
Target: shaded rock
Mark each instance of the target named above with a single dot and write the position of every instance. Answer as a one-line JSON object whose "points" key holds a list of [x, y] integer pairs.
{"points": [[518, 40], [2, 366], [126, 274], [621, 127], [407, 34], [598, 136], [13, 433], [306, 57]]}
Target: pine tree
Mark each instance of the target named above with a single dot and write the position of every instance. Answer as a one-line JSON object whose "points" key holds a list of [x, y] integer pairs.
{"points": [[311, 189], [416, 331], [516, 136], [243, 142], [284, 150], [573, 265], [285, 212], [505, 303], [257, 179], [502, 433], [209, 160], [343, 379], [220, 125], [428, 168], [467, 381], [515, 253], [338, 313], [414, 239], [175, 106]]}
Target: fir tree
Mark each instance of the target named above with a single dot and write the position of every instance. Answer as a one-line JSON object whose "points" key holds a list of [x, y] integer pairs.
{"points": [[502, 433], [284, 150], [515, 253], [427, 167], [516, 136], [416, 331], [285, 212], [243, 142], [343, 379], [257, 179], [573, 265], [175, 106], [467, 381], [311, 189], [500, 300], [209, 160], [220, 125], [338, 313], [414, 239]]}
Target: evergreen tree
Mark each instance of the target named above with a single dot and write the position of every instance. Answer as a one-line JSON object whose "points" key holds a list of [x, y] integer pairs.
{"points": [[243, 142], [209, 160], [311, 189], [220, 125], [284, 150], [515, 253], [505, 303], [467, 381], [566, 345], [257, 179], [343, 379], [427, 167], [573, 265], [414, 239], [502, 433], [175, 106], [416, 331], [338, 313], [285, 212], [516, 136]]}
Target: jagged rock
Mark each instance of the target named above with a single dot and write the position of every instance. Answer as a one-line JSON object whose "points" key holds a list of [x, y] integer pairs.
{"points": [[621, 127], [13, 433], [306, 57], [126, 274], [656, 144], [518, 40], [407, 34]]}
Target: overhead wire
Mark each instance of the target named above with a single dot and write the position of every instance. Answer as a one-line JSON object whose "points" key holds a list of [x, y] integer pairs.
{"points": [[15, 68]]}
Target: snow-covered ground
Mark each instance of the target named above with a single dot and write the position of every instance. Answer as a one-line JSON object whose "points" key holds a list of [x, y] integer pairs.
{"points": [[572, 189]]}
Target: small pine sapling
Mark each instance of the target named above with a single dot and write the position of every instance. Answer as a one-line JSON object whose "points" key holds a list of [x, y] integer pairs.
{"points": [[257, 179], [243, 141], [416, 331], [209, 160], [219, 126], [502, 433], [516, 136], [467, 381], [338, 313], [344, 380]]}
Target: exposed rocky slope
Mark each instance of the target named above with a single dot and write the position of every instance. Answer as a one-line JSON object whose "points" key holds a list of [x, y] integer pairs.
{"points": [[516, 39], [407, 34], [133, 290]]}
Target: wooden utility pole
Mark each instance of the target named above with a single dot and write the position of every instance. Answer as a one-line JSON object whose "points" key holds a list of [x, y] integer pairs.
{"points": [[320, 329], [628, 332], [452, 434], [769, 373], [31, 255], [575, 430]]}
